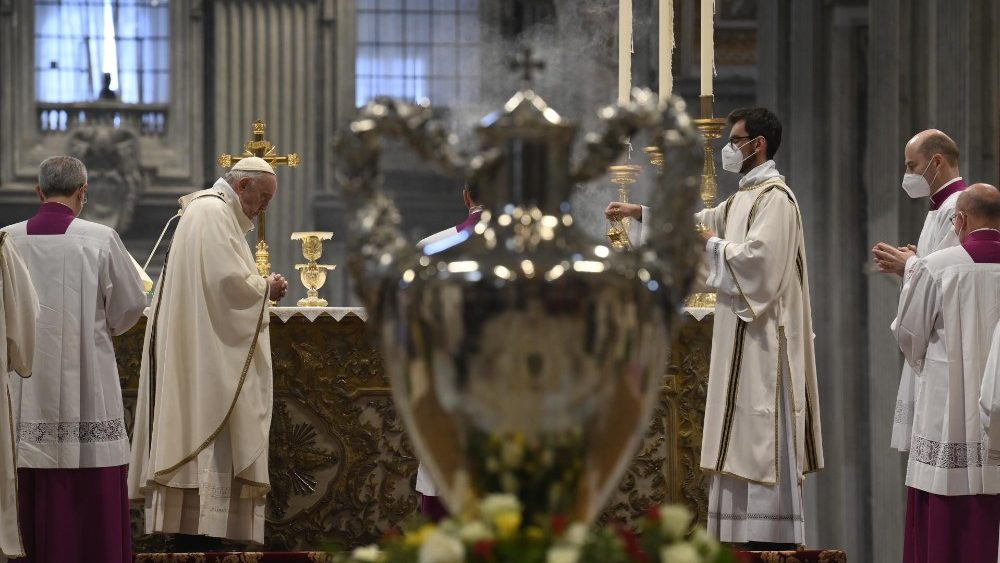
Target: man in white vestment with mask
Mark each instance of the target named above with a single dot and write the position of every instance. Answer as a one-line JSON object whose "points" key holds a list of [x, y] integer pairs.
{"points": [[947, 310], [931, 161], [73, 446], [200, 443], [18, 309], [762, 423]]}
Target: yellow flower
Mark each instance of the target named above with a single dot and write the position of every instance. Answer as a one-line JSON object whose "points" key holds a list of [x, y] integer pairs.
{"points": [[535, 533], [417, 538], [507, 523]]}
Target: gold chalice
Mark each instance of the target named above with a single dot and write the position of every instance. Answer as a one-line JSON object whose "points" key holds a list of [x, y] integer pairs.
{"points": [[313, 275]]}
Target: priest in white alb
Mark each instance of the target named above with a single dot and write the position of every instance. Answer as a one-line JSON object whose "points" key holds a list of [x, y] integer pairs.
{"points": [[947, 310], [18, 309], [931, 162], [200, 443], [762, 423], [73, 446]]}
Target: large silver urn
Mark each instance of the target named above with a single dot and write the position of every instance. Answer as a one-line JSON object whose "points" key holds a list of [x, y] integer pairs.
{"points": [[524, 356]]}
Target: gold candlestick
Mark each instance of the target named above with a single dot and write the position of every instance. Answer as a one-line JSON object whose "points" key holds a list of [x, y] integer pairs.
{"points": [[622, 175], [711, 128], [313, 275]]}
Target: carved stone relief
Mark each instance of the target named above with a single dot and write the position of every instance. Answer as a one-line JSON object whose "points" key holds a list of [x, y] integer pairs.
{"points": [[113, 173]]}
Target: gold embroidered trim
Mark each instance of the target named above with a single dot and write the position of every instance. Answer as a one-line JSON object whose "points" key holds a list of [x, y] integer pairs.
{"points": [[779, 385], [783, 357], [732, 392], [236, 396], [725, 215]]}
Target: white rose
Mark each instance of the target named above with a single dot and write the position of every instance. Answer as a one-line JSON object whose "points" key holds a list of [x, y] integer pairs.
{"points": [[704, 542], [474, 532], [576, 534], [368, 554], [674, 521], [679, 553], [442, 548], [562, 554], [495, 504]]}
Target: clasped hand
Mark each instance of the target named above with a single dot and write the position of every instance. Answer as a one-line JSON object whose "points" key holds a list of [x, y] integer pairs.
{"points": [[892, 259], [278, 286]]}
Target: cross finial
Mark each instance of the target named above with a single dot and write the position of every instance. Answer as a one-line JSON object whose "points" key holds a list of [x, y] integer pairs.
{"points": [[526, 64]]}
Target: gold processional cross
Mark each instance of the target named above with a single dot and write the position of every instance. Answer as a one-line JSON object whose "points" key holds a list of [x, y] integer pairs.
{"points": [[258, 146]]}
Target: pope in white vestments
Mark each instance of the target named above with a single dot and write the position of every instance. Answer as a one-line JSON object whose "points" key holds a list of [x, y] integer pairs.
{"points": [[762, 423], [200, 442], [72, 442], [18, 309], [947, 310], [931, 161]]}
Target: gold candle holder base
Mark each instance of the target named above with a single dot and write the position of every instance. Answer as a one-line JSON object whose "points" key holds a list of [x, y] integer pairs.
{"points": [[313, 275]]}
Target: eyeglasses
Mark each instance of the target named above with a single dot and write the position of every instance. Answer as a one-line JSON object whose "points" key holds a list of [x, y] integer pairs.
{"points": [[734, 140]]}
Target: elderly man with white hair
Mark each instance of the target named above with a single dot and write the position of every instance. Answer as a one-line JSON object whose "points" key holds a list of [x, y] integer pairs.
{"points": [[200, 442]]}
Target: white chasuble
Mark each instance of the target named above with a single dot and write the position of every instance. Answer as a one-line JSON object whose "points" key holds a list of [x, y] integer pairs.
{"points": [[947, 311], [936, 234], [200, 444], [17, 344]]}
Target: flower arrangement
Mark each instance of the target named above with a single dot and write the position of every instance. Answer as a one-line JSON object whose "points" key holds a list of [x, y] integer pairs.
{"points": [[499, 534]]}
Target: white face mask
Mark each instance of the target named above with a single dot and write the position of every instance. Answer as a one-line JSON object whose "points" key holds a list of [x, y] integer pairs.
{"points": [[733, 159], [916, 186]]}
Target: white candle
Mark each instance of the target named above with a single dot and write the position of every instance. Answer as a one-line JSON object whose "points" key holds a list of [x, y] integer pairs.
{"points": [[624, 50], [666, 48], [707, 46]]}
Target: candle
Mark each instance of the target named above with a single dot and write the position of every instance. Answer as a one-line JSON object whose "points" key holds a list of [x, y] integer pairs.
{"points": [[666, 48], [624, 50], [707, 46], [261, 233]]}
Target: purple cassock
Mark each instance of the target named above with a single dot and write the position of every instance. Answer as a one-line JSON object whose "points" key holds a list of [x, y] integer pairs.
{"points": [[72, 514], [941, 528], [431, 507]]}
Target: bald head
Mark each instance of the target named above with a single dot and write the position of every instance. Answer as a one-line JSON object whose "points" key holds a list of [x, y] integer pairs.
{"points": [[978, 207], [934, 155]]}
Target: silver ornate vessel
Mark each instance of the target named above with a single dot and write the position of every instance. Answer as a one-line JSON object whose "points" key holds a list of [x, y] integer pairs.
{"points": [[524, 356]]}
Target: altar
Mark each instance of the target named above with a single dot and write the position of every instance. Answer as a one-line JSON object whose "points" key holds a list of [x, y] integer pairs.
{"points": [[342, 471]]}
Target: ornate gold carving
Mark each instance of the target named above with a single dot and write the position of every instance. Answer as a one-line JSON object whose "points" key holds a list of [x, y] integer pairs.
{"points": [[294, 460], [667, 467], [342, 469]]}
